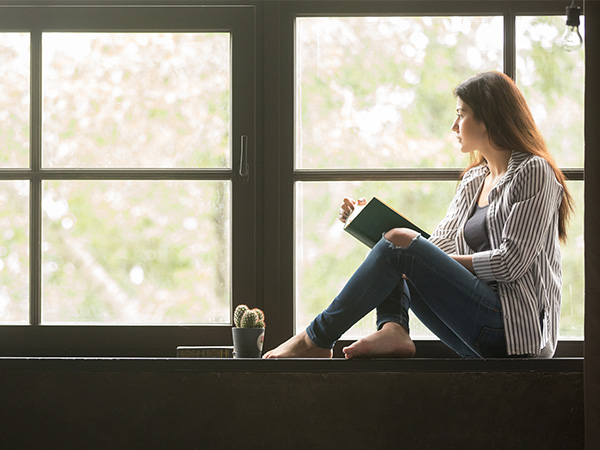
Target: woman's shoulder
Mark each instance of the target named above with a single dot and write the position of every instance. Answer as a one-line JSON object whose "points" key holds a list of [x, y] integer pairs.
{"points": [[526, 163], [535, 172]]}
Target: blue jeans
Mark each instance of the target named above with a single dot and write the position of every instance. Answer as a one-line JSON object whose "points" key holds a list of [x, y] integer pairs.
{"points": [[464, 312]]}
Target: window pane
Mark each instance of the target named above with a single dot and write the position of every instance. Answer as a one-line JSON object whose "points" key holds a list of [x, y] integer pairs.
{"points": [[556, 101], [376, 92], [152, 252], [326, 256], [572, 313], [14, 100], [136, 100], [552, 80], [14, 252]]}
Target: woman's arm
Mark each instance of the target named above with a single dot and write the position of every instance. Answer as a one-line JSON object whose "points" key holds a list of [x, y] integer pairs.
{"points": [[465, 260]]}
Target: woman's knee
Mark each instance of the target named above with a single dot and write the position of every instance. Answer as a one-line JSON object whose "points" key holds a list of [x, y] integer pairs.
{"points": [[401, 237]]}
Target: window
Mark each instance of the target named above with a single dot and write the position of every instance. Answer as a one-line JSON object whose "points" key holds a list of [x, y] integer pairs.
{"points": [[128, 222], [557, 106], [373, 110], [124, 203], [371, 94], [14, 194], [136, 251]]}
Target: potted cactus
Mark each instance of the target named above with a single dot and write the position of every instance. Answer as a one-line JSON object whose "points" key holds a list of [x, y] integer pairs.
{"points": [[248, 332]]}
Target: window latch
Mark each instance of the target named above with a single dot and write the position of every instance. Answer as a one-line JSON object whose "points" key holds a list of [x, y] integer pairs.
{"points": [[244, 167]]}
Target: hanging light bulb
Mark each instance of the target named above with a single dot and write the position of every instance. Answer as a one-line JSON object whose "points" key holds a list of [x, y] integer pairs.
{"points": [[571, 39]]}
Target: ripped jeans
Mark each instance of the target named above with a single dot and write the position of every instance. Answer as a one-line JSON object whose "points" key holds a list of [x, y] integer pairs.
{"points": [[462, 311]]}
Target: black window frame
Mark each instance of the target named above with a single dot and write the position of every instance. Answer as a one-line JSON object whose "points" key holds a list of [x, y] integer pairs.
{"points": [[288, 12], [39, 339]]}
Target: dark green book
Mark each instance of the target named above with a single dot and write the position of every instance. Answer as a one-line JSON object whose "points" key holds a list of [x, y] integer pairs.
{"points": [[367, 223]]}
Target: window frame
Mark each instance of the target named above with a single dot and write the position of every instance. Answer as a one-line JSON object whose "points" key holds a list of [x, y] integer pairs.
{"points": [[264, 259], [288, 14], [37, 338]]}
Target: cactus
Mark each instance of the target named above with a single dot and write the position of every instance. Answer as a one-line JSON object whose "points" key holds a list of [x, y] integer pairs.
{"points": [[249, 319], [261, 315], [244, 317], [238, 313]]}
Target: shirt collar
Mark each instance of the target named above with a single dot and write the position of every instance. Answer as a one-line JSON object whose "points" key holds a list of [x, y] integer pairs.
{"points": [[516, 159]]}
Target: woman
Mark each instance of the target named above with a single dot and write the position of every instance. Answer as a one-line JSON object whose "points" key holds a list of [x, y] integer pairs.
{"points": [[488, 281]]}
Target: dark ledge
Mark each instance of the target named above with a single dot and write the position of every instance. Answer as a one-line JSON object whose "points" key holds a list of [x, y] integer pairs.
{"points": [[292, 365]]}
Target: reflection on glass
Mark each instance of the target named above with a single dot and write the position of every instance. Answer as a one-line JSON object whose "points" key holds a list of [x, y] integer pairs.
{"points": [[158, 100], [152, 252], [14, 252], [552, 81], [376, 92], [14, 100], [326, 256]]}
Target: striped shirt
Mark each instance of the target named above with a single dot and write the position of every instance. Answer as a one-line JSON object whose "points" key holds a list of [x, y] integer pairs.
{"points": [[524, 262]]}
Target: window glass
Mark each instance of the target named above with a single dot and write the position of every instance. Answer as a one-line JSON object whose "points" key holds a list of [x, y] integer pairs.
{"points": [[345, 115], [14, 100], [572, 311], [552, 81], [327, 256], [376, 92], [158, 100], [150, 252], [14, 251]]}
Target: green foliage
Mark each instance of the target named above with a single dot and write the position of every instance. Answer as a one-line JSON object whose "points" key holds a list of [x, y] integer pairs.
{"points": [[373, 90], [374, 93], [160, 108], [14, 255], [121, 242], [377, 93]]}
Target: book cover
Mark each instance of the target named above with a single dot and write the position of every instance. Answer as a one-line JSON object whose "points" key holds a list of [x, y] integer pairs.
{"points": [[204, 352], [367, 223]]}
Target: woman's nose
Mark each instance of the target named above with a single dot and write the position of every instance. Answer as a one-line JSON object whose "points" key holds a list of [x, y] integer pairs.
{"points": [[455, 125]]}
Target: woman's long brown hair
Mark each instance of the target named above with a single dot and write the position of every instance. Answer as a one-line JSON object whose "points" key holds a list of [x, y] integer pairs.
{"points": [[499, 104]]}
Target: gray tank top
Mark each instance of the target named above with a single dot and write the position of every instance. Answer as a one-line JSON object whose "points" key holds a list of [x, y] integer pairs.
{"points": [[476, 230]]}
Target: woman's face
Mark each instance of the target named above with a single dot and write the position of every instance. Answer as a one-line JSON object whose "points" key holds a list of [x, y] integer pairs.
{"points": [[470, 132]]}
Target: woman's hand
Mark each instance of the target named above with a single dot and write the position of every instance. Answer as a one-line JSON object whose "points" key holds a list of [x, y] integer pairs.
{"points": [[348, 206]]}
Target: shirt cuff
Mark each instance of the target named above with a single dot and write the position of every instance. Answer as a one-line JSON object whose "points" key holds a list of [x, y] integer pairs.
{"points": [[482, 265]]}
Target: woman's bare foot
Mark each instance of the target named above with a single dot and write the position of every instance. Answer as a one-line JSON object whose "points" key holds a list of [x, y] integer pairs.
{"points": [[392, 341], [299, 346]]}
